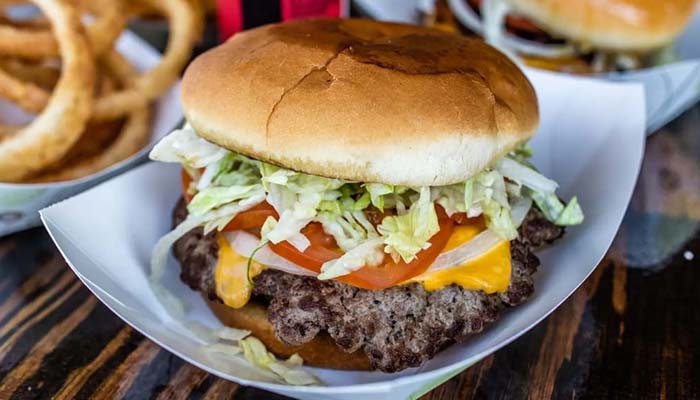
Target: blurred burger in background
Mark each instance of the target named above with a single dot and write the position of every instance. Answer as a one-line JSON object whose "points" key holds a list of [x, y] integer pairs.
{"points": [[580, 36]]}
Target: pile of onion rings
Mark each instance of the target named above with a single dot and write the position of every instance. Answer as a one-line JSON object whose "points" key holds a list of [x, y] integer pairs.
{"points": [[90, 107]]}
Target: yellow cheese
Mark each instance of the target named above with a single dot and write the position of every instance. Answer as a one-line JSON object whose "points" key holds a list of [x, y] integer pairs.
{"points": [[489, 272], [230, 276], [464, 233]]}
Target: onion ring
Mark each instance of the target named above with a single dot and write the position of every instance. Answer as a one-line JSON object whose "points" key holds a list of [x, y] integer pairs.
{"points": [[132, 138], [102, 32], [26, 95], [186, 25], [185, 28], [42, 74], [45, 76], [29, 85], [8, 130], [61, 123]]}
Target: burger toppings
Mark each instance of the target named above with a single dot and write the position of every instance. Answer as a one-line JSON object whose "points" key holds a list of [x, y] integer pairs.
{"points": [[368, 235], [398, 327]]}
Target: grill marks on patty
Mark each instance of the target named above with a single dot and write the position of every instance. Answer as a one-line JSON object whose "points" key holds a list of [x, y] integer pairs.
{"points": [[397, 328]]}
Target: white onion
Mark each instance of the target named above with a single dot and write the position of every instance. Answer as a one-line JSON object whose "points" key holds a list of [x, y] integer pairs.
{"points": [[519, 210], [244, 244], [515, 171], [480, 244]]}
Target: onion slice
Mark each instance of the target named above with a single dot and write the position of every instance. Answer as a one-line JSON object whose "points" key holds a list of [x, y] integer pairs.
{"points": [[468, 251], [480, 244], [245, 244]]}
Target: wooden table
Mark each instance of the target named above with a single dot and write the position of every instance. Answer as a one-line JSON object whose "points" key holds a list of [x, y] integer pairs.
{"points": [[631, 331]]}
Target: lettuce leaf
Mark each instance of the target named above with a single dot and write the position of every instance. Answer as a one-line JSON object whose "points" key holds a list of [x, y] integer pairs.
{"points": [[406, 235], [216, 196], [228, 183], [525, 175], [377, 192], [186, 147], [572, 214], [255, 352], [367, 253]]}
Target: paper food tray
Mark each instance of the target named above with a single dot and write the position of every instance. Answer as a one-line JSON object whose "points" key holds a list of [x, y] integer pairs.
{"points": [[591, 140]]}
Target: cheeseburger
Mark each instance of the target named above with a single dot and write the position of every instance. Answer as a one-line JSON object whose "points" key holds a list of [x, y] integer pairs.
{"points": [[580, 35], [358, 192]]}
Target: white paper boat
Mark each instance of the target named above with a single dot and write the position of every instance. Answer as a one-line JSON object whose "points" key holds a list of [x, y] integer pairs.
{"points": [[591, 141], [670, 89], [20, 203]]}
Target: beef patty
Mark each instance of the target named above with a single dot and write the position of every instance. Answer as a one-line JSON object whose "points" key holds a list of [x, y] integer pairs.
{"points": [[397, 328]]}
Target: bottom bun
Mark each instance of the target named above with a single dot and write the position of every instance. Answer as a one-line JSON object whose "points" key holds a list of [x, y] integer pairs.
{"points": [[320, 352]]}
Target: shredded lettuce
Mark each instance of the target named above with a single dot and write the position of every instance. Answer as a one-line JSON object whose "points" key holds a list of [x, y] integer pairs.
{"points": [[453, 198], [298, 198], [228, 183], [555, 211], [406, 235], [255, 352], [377, 192], [367, 253], [572, 214], [216, 196], [186, 147], [524, 175], [230, 342], [499, 220]]}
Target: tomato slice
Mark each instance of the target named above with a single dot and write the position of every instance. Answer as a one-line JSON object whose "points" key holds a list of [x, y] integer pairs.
{"points": [[323, 247], [382, 276], [252, 218], [392, 273], [186, 181]]}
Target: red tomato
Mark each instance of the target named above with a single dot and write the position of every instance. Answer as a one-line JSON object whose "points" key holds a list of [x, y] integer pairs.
{"points": [[323, 247], [252, 218], [382, 276], [249, 219], [186, 180]]}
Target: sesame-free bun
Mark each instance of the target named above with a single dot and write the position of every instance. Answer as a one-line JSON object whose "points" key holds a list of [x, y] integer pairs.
{"points": [[361, 100], [320, 352], [614, 25]]}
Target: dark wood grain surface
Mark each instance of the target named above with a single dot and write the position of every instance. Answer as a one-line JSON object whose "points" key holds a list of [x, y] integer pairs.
{"points": [[632, 331]]}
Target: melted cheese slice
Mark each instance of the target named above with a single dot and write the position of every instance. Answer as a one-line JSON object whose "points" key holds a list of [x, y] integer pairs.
{"points": [[230, 276], [489, 272]]}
